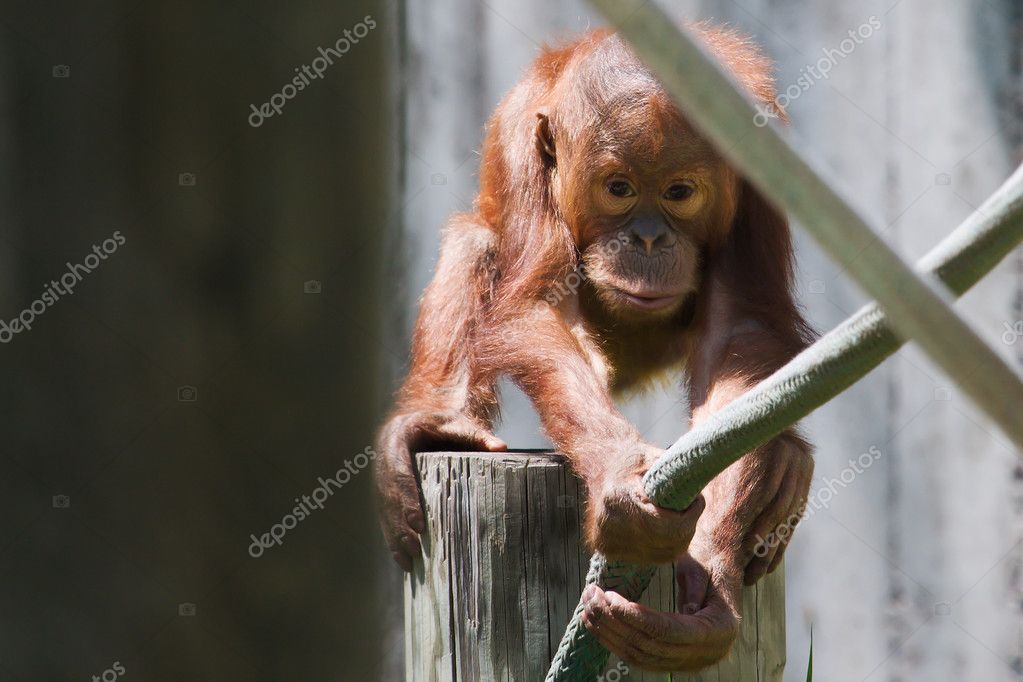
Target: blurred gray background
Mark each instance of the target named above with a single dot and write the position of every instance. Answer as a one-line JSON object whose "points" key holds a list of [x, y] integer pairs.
{"points": [[195, 383], [189, 389]]}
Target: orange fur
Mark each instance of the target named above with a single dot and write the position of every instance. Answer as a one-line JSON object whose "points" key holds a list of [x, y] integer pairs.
{"points": [[502, 302]]}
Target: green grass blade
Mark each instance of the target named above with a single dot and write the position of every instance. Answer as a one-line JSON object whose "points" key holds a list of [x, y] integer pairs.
{"points": [[809, 664]]}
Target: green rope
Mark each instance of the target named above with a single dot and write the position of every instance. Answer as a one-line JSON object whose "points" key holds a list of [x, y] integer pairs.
{"points": [[815, 376]]}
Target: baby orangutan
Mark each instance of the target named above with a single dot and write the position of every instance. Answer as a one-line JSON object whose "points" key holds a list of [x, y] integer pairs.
{"points": [[590, 172]]}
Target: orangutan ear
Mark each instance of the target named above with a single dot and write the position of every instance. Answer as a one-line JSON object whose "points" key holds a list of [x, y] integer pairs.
{"points": [[544, 135]]}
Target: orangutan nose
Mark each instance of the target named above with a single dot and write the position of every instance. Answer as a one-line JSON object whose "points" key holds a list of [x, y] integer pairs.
{"points": [[651, 232]]}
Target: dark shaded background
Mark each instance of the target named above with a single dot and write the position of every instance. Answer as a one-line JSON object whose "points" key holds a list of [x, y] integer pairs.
{"points": [[207, 291]]}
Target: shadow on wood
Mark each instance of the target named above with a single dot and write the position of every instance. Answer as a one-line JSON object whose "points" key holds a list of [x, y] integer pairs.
{"points": [[503, 568]]}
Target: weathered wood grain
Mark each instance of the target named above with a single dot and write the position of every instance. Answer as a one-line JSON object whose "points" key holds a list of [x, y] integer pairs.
{"points": [[502, 569]]}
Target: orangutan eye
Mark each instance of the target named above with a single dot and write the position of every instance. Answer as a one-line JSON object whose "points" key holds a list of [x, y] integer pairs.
{"points": [[620, 189], [680, 191]]}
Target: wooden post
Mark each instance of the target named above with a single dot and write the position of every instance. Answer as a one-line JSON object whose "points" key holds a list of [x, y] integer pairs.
{"points": [[503, 568]]}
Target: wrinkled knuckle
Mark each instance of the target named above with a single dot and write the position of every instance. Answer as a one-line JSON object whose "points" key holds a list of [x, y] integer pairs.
{"points": [[618, 610]]}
